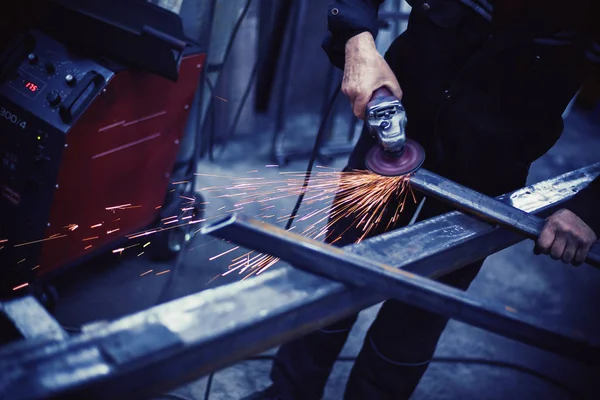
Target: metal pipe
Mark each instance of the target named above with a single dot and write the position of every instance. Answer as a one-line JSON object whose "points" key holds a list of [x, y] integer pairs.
{"points": [[176, 342], [334, 263], [486, 208]]}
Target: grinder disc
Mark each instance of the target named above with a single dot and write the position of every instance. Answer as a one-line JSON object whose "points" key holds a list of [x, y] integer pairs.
{"points": [[382, 163]]}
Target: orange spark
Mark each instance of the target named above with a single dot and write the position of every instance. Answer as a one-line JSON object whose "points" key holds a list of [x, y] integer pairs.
{"points": [[222, 254], [163, 272], [117, 207], [96, 226], [137, 235], [87, 247], [113, 231], [129, 207], [90, 238], [21, 286], [361, 197], [147, 272], [41, 240]]}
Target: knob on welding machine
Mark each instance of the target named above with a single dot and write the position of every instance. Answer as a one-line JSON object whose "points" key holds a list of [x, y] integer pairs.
{"points": [[394, 154]]}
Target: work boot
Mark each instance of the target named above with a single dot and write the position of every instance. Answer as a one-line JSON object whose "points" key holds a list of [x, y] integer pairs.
{"points": [[267, 394]]}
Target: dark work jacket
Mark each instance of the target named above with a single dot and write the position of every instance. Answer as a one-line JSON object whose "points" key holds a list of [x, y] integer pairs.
{"points": [[535, 23]]}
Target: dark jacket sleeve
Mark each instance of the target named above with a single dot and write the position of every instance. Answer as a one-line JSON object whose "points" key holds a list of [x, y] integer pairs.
{"points": [[585, 205], [345, 19]]}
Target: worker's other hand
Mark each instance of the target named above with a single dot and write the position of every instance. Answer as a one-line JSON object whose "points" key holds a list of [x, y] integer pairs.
{"points": [[365, 71], [565, 237]]}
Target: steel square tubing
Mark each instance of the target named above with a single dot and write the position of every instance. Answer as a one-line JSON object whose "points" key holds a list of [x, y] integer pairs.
{"points": [[486, 208], [176, 342], [344, 266]]}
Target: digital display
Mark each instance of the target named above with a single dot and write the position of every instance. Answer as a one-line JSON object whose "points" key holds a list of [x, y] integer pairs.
{"points": [[31, 86], [27, 84]]}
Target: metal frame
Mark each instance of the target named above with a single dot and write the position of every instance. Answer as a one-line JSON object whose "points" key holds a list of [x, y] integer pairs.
{"points": [[357, 271], [176, 342]]}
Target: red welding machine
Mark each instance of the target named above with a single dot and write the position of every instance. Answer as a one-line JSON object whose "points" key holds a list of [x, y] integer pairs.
{"points": [[87, 143]]}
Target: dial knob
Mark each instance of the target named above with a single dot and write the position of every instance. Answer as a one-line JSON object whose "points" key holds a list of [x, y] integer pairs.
{"points": [[53, 98], [50, 68], [70, 80], [33, 58]]}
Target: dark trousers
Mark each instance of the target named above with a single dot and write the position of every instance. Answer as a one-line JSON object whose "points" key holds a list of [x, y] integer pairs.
{"points": [[464, 95]]}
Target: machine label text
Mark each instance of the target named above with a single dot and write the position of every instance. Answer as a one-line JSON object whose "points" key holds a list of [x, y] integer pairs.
{"points": [[12, 117]]}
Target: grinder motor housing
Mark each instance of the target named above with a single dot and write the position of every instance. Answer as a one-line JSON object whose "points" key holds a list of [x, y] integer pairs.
{"points": [[394, 154]]}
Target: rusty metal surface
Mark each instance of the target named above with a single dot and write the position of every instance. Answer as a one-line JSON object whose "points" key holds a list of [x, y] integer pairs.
{"points": [[189, 337]]}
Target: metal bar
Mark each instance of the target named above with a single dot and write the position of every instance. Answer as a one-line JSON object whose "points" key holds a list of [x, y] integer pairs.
{"points": [[485, 207], [215, 328], [31, 320], [332, 262]]}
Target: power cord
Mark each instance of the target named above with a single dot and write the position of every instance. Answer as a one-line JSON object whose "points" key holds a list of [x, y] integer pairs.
{"points": [[448, 360], [234, 34], [313, 156]]}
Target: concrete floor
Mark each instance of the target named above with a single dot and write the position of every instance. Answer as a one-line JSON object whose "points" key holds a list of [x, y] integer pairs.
{"points": [[110, 286]]}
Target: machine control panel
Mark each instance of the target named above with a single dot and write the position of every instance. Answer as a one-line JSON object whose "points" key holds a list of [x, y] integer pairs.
{"points": [[54, 84]]}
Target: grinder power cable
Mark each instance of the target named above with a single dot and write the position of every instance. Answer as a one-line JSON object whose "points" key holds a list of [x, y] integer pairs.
{"points": [[394, 154]]}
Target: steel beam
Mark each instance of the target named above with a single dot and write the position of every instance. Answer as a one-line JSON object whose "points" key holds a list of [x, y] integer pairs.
{"points": [[343, 266], [28, 319], [171, 344], [486, 208]]}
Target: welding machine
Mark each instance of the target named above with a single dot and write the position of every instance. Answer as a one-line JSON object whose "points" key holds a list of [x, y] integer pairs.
{"points": [[92, 111]]}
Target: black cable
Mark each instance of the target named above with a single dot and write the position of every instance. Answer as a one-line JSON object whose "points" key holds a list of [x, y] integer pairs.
{"points": [[226, 55], [453, 360], [240, 109], [313, 156], [208, 386]]}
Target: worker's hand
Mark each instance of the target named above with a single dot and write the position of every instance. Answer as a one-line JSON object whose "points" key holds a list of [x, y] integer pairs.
{"points": [[565, 237], [365, 71]]}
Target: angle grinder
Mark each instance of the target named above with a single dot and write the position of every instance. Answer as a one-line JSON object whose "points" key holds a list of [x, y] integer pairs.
{"points": [[394, 154]]}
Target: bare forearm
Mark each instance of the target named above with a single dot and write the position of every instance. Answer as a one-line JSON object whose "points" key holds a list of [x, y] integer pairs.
{"points": [[358, 45], [365, 71]]}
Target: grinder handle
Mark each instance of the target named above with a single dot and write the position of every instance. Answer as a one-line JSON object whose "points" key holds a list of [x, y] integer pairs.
{"points": [[381, 92], [593, 257]]}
